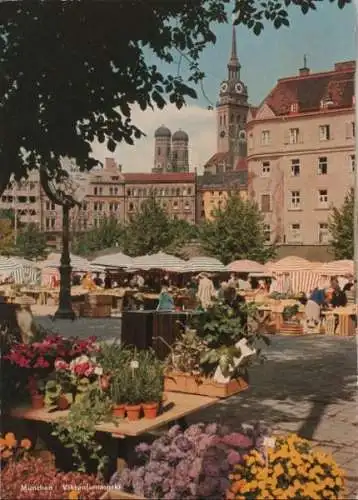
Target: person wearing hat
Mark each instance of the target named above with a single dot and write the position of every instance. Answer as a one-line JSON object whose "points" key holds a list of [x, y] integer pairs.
{"points": [[206, 290]]}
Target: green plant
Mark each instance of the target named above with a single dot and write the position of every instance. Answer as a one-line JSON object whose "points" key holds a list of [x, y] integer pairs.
{"points": [[151, 373], [186, 353], [119, 387], [290, 312], [78, 429]]}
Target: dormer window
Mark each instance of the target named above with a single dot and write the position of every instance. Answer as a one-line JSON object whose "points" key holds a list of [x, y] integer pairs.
{"points": [[294, 107]]}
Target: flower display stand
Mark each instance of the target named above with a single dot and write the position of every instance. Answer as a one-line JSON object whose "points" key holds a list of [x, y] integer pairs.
{"points": [[291, 329], [191, 384]]}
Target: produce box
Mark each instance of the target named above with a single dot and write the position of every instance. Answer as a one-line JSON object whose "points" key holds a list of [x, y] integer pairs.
{"points": [[191, 384]]}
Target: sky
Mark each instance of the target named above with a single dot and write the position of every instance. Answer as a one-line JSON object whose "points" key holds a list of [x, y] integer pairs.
{"points": [[326, 36]]}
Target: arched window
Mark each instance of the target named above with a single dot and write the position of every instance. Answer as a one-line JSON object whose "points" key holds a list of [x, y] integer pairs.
{"points": [[158, 151]]}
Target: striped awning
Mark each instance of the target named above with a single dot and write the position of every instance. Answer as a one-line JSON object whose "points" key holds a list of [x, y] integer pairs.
{"points": [[21, 270], [77, 263], [119, 260], [159, 260], [290, 264], [202, 264], [336, 268], [246, 266]]}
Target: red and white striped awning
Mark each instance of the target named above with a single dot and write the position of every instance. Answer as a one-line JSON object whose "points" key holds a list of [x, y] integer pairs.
{"points": [[336, 268], [246, 266], [290, 264]]}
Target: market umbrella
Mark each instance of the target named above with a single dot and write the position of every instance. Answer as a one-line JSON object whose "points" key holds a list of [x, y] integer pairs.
{"points": [[290, 264], [118, 259], [336, 268], [77, 263], [203, 264], [246, 266], [159, 260], [23, 271]]}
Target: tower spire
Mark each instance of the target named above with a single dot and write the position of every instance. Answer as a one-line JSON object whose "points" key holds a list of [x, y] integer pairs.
{"points": [[234, 65]]}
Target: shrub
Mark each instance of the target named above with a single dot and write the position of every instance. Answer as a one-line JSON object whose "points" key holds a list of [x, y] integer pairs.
{"points": [[291, 470], [194, 463]]}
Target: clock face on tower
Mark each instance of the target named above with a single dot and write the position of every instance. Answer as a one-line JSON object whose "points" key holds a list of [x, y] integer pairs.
{"points": [[239, 88], [222, 133], [223, 87]]}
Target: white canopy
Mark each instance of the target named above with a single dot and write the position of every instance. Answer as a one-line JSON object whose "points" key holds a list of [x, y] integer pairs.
{"points": [[246, 266], [201, 264], [114, 260], [77, 263], [336, 268], [23, 271], [159, 260], [290, 264]]}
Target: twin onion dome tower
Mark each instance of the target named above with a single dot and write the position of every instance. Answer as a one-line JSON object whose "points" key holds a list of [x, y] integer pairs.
{"points": [[171, 151]]}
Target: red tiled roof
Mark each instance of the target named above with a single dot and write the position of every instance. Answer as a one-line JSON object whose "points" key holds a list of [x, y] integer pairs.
{"points": [[152, 178], [218, 157], [309, 90]]}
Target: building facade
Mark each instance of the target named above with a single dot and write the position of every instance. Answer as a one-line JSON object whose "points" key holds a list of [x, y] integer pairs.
{"points": [[213, 191], [301, 153], [231, 115]]}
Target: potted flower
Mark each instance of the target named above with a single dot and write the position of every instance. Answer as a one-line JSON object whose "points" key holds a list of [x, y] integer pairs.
{"points": [[134, 392], [118, 391], [291, 322], [152, 380]]}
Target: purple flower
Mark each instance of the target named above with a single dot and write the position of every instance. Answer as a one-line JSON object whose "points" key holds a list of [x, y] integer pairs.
{"points": [[195, 468], [142, 449], [211, 429], [238, 440], [233, 457], [174, 431], [183, 443]]}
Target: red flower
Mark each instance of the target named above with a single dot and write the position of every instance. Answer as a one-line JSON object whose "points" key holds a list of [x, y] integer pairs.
{"points": [[60, 364], [41, 363]]}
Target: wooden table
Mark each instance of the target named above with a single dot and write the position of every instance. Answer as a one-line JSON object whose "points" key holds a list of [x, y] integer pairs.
{"points": [[176, 407], [346, 325]]}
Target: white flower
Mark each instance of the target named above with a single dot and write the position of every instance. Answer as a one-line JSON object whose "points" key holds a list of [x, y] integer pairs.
{"points": [[134, 364], [98, 370]]}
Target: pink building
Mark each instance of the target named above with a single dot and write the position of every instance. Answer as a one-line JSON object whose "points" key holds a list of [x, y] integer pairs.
{"points": [[301, 153]]}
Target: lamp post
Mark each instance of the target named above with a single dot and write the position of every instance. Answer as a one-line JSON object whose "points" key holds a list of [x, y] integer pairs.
{"points": [[67, 193]]}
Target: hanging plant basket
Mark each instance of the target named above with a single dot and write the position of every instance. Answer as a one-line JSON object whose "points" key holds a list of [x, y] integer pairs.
{"points": [[195, 384]]}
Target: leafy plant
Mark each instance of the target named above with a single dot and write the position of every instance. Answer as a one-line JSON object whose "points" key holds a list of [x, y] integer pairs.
{"points": [[186, 353], [151, 372], [341, 228], [194, 463], [289, 312], [77, 430]]}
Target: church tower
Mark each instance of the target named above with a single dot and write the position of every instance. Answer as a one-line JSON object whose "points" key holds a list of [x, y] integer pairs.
{"points": [[162, 150], [232, 110], [180, 155]]}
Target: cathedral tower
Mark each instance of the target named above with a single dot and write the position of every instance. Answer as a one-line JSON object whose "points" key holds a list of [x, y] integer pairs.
{"points": [[232, 110], [162, 150], [180, 154]]}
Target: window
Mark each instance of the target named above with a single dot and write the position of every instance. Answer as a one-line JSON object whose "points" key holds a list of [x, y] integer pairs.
{"points": [[115, 190], [95, 207], [158, 151], [295, 200], [323, 233], [178, 192], [322, 165], [131, 207], [175, 205], [265, 169], [265, 137], [295, 167], [129, 192], [323, 198], [324, 133], [189, 191], [353, 162], [353, 129], [187, 206], [265, 203], [294, 108], [294, 135], [251, 141], [267, 232], [110, 191], [100, 190], [95, 191], [295, 232], [50, 205], [50, 223]]}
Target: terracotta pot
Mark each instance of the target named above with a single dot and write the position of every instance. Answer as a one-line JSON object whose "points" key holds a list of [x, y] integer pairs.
{"points": [[150, 410], [63, 403], [37, 401], [133, 411], [119, 411]]}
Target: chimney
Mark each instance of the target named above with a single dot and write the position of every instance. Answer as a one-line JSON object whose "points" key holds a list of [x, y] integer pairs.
{"points": [[345, 66], [305, 71], [119, 168]]}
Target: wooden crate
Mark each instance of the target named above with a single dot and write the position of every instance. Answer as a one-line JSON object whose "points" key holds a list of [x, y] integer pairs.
{"points": [[190, 384], [119, 495]]}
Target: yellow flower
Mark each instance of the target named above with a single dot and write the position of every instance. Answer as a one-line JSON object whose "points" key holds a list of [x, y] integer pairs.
{"points": [[10, 440], [253, 469], [291, 472], [328, 481], [339, 481], [73, 495], [278, 470], [302, 470], [266, 494]]}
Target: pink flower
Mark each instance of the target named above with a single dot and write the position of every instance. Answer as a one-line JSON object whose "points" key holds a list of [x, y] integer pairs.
{"points": [[60, 364], [88, 372], [41, 363]]}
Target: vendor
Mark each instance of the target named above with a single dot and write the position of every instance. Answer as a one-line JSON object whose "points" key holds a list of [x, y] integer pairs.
{"points": [[98, 280], [107, 281], [206, 290], [76, 279], [88, 282], [166, 302]]}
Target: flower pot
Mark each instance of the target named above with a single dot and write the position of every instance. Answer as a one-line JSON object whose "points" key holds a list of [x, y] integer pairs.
{"points": [[133, 412], [119, 411], [37, 401], [196, 384], [63, 403], [150, 410]]}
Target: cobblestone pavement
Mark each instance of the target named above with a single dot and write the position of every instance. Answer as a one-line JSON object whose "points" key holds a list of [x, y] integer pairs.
{"points": [[308, 385]]}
